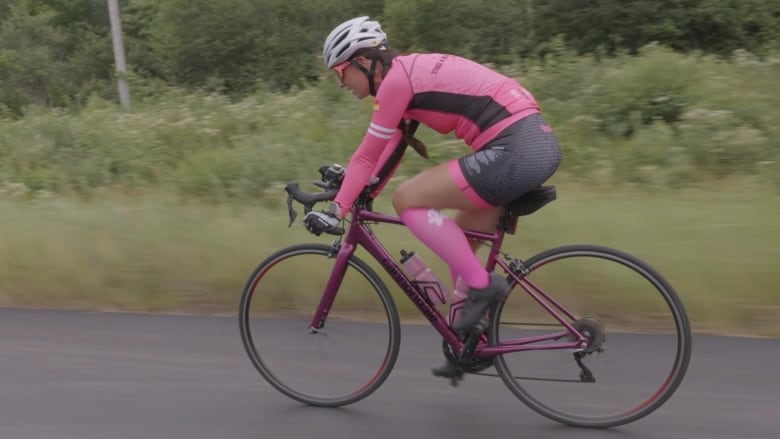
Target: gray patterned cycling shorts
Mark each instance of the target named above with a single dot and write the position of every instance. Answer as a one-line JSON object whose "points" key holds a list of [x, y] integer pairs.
{"points": [[521, 158]]}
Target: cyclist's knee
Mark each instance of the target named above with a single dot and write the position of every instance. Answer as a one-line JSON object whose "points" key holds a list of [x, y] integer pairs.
{"points": [[409, 196], [402, 198]]}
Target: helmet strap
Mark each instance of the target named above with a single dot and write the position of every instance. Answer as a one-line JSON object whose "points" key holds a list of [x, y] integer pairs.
{"points": [[370, 72]]}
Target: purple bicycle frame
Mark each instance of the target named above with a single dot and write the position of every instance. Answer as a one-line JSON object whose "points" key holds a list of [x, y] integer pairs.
{"points": [[359, 234]]}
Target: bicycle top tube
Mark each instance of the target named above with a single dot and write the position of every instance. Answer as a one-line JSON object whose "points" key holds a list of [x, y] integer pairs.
{"points": [[361, 215]]}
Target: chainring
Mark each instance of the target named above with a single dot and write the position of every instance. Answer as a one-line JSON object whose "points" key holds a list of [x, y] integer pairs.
{"points": [[471, 366]]}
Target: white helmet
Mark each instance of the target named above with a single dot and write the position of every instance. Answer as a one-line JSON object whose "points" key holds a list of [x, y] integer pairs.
{"points": [[349, 37]]}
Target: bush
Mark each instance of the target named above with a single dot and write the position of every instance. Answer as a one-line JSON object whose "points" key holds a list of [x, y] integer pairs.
{"points": [[656, 119], [639, 91]]}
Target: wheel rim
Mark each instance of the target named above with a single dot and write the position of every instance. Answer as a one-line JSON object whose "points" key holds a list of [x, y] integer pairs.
{"points": [[645, 354], [343, 362]]}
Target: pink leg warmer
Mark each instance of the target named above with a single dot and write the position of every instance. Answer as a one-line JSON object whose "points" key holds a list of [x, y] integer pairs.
{"points": [[447, 240]]}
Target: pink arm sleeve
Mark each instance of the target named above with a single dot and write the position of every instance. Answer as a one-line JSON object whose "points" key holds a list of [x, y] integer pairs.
{"points": [[388, 151], [382, 135]]}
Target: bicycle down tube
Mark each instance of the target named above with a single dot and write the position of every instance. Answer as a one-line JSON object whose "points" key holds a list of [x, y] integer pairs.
{"points": [[359, 234]]}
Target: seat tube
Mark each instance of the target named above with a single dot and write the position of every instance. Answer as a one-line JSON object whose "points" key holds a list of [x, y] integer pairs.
{"points": [[495, 240]]}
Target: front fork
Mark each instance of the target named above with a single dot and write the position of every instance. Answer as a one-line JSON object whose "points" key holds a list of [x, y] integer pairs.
{"points": [[341, 253]]}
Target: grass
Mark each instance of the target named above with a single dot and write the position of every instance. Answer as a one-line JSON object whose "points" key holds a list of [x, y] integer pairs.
{"points": [[719, 247], [168, 207]]}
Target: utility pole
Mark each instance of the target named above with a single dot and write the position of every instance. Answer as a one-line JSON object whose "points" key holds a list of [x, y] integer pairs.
{"points": [[119, 53]]}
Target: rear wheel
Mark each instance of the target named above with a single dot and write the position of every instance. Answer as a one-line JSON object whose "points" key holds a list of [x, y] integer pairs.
{"points": [[342, 362], [639, 340]]}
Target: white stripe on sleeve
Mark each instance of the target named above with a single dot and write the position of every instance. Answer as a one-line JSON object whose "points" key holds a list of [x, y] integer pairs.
{"points": [[380, 131]]}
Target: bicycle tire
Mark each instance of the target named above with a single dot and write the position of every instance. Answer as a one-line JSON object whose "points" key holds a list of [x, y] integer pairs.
{"points": [[647, 402], [279, 374]]}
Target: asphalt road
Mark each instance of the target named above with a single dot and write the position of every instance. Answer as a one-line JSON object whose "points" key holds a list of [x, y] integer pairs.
{"points": [[69, 374]]}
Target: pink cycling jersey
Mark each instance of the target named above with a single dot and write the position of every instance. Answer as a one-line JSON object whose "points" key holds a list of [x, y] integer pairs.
{"points": [[445, 92]]}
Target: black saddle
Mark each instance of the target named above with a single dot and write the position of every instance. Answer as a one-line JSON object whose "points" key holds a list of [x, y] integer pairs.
{"points": [[531, 201], [526, 205]]}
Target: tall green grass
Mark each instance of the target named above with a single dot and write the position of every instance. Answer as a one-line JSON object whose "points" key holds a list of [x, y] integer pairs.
{"points": [[158, 252], [170, 205]]}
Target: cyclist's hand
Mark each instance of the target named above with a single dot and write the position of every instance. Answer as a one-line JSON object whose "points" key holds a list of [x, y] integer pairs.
{"points": [[319, 222]]}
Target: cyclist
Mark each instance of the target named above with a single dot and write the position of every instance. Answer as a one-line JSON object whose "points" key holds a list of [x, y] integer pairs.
{"points": [[513, 150]]}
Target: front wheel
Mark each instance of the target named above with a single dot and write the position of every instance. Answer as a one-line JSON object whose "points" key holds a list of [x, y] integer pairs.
{"points": [[639, 338], [346, 359]]}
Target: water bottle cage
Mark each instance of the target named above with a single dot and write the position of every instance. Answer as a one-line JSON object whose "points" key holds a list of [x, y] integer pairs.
{"points": [[430, 289]]}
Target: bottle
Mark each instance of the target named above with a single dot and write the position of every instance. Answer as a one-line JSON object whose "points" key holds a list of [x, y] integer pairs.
{"points": [[457, 300], [424, 278]]}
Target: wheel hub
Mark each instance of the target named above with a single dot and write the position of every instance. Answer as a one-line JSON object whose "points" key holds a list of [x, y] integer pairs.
{"points": [[593, 330]]}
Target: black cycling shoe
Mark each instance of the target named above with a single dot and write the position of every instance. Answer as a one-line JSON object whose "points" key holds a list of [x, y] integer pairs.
{"points": [[479, 301], [449, 371]]}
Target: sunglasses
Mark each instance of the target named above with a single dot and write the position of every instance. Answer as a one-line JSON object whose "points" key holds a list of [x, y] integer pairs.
{"points": [[339, 69]]}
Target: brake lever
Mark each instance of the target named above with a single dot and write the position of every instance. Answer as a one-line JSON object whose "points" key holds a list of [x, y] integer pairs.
{"points": [[293, 213]]}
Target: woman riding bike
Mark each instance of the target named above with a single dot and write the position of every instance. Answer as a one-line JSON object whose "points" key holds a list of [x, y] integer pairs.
{"points": [[513, 150]]}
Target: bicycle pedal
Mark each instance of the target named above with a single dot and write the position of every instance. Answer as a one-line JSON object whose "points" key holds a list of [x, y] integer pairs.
{"points": [[449, 371]]}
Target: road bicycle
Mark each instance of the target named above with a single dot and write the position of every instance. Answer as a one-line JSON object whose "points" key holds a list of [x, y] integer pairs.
{"points": [[588, 336]]}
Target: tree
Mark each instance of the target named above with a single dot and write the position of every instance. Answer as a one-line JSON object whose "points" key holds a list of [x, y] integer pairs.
{"points": [[436, 25], [712, 26], [723, 26], [31, 54]]}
